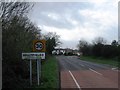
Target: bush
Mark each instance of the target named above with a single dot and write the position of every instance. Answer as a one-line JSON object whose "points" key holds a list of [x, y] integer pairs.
{"points": [[17, 34]]}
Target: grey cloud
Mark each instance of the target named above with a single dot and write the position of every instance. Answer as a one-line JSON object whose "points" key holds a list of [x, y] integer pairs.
{"points": [[71, 9], [69, 44], [61, 9], [112, 33], [45, 20]]}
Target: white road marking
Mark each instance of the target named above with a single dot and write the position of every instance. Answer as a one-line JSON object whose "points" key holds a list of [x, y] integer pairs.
{"points": [[82, 65], [95, 71], [74, 80], [115, 69]]}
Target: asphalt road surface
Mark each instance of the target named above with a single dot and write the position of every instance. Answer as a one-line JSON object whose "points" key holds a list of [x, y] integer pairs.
{"points": [[81, 75]]}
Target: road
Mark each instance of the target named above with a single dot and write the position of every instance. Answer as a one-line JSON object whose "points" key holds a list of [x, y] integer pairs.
{"points": [[82, 75]]}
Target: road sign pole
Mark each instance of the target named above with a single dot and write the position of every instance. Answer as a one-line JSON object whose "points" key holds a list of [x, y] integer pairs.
{"points": [[30, 72], [38, 71], [40, 68]]}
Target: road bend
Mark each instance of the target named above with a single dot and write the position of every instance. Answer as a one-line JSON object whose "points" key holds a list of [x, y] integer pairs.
{"points": [[81, 75]]}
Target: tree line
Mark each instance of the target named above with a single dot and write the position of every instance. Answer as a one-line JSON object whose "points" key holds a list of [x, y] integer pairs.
{"points": [[18, 33], [100, 48]]}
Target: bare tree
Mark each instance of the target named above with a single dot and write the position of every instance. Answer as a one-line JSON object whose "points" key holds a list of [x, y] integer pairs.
{"points": [[52, 40], [18, 32], [82, 43], [99, 40], [10, 9]]}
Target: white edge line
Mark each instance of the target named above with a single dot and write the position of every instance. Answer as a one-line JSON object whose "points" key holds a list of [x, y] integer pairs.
{"points": [[95, 71], [74, 80]]}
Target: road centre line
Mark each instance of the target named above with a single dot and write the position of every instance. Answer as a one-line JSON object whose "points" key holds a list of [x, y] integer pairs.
{"points": [[95, 71], [74, 80]]}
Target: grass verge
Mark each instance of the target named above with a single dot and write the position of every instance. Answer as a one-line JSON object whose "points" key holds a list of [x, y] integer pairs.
{"points": [[50, 75], [100, 60]]}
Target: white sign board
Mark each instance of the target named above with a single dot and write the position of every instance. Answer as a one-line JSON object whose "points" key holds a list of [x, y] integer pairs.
{"points": [[32, 55]]}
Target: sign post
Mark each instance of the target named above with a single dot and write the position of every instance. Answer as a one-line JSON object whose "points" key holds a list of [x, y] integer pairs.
{"points": [[38, 53], [38, 71], [33, 56], [30, 72], [39, 46]]}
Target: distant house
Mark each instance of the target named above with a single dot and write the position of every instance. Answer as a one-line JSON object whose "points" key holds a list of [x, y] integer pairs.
{"points": [[75, 51], [63, 51], [58, 51], [68, 50]]}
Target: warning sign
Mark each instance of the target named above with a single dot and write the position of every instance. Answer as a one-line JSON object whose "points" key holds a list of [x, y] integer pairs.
{"points": [[39, 46]]}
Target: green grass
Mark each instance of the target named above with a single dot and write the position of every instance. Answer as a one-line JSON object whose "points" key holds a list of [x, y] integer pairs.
{"points": [[99, 60], [50, 75]]}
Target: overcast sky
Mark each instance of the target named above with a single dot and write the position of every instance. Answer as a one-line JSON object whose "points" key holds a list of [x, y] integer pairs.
{"points": [[77, 20]]}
